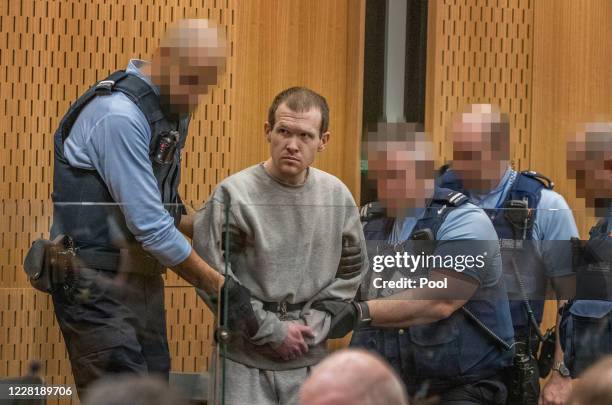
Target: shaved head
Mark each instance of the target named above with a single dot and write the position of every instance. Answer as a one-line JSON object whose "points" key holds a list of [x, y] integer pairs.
{"points": [[190, 58], [353, 377], [481, 146]]}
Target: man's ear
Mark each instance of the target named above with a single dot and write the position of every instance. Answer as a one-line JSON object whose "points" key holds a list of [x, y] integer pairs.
{"points": [[267, 130], [323, 142]]}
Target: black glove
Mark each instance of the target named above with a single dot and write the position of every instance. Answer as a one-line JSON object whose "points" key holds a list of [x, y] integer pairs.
{"points": [[237, 241], [346, 316], [240, 314], [350, 261]]}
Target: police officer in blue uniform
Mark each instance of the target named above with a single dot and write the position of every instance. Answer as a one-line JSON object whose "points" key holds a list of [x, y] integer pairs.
{"points": [[454, 341], [115, 195], [586, 328], [534, 225]]}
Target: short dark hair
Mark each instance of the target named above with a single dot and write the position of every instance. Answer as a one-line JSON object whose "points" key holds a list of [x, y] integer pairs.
{"points": [[300, 99]]}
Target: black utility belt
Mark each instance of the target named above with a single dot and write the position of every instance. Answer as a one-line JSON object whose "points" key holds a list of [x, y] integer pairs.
{"points": [[124, 261], [282, 307], [50, 263]]}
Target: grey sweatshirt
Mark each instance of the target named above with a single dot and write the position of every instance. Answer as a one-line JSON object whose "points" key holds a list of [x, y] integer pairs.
{"points": [[293, 247]]}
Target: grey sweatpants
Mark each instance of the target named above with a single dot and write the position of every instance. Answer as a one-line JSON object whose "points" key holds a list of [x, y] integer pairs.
{"points": [[247, 385]]}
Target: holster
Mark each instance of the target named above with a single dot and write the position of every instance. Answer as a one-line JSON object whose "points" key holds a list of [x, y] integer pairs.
{"points": [[49, 263]]}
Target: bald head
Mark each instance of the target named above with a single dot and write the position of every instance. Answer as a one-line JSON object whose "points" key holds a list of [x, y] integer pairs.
{"points": [[594, 386], [190, 58], [481, 146], [353, 377], [589, 162]]}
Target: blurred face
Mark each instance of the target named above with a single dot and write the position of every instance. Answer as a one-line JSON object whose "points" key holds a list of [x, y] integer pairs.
{"points": [[589, 161], [478, 162], [403, 172], [189, 61], [294, 142]]}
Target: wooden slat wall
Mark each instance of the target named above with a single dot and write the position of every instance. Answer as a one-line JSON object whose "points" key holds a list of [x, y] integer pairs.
{"points": [[51, 51], [480, 51], [572, 84]]}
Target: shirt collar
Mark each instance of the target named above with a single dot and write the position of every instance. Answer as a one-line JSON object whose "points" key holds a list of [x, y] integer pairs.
{"points": [[496, 195], [134, 67]]}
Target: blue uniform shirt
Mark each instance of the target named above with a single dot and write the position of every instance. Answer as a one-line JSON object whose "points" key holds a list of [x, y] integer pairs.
{"points": [[111, 135], [554, 222], [453, 350], [467, 222]]}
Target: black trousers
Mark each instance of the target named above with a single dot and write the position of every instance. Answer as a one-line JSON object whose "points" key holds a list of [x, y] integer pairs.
{"points": [[113, 323], [490, 391]]}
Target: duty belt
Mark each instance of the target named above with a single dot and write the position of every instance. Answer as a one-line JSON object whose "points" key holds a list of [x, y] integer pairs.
{"points": [[124, 260], [282, 308]]}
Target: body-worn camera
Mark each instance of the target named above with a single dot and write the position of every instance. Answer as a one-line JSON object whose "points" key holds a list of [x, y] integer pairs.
{"points": [[166, 147]]}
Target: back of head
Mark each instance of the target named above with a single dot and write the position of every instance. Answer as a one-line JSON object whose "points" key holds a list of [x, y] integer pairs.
{"points": [[354, 377], [134, 390], [595, 385]]}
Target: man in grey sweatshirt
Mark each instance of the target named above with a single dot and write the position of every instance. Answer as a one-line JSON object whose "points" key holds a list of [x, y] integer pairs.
{"points": [[292, 221]]}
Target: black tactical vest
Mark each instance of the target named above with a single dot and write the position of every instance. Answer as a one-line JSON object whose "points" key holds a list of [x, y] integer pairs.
{"points": [[82, 205], [521, 261]]}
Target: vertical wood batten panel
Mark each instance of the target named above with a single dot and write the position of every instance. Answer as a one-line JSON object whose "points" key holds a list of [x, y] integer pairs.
{"points": [[477, 53]]}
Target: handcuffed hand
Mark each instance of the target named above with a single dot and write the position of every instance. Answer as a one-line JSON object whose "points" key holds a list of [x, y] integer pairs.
{"points": [[294, 345]]}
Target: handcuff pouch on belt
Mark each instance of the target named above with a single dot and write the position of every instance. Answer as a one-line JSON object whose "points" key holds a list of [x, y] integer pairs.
{"points": [[48, 263]]}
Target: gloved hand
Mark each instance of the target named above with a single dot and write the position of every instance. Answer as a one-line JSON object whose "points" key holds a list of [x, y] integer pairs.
{"points": [[237, 240], [346, 316], [350, 261], [240, 314]]}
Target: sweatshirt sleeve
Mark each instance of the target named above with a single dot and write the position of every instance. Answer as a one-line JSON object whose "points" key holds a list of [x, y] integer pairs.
{"points": [[338, 288], [209, 223]]}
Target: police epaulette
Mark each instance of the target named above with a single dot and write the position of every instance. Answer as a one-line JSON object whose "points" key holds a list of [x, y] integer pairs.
{"points": [[449, 197], [456, 198], [444, 168], [548, 183], [371, 210]]}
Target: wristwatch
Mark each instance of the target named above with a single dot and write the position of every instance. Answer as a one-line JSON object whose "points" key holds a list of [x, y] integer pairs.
{"points": [[561, 368]]}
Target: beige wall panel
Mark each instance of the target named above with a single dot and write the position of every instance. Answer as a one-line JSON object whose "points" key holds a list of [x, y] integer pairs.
{"points": [[572, 84], [479, 52]]}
